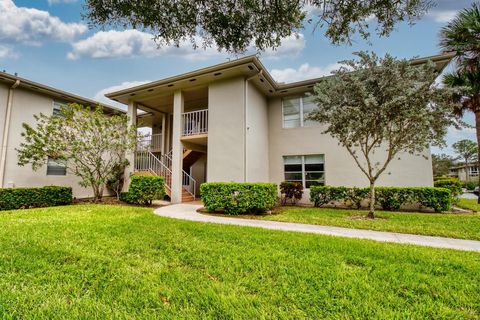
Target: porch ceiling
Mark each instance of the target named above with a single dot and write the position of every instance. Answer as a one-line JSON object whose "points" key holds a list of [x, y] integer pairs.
{"points": [[193, 98], [200, 78]]}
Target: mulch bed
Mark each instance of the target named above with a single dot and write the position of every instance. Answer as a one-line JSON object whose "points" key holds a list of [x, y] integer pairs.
{"points": [[110, 201]]}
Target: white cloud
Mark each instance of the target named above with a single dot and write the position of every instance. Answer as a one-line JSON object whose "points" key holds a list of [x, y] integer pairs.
{"points": [[291, 46], [6, 52], [32, 26], [442, 16], [100, 95], [305, 71], [454, 135], [133, 43], [51, 2]]}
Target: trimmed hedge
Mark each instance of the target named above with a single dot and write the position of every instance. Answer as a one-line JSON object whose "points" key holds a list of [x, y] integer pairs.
{"points": [[453, 184], [238, 198], [144, 189], [389, 198], [23, 198]]}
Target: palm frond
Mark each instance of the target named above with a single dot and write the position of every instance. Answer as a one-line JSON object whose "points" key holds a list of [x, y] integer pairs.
{"points": [[462, 35]]}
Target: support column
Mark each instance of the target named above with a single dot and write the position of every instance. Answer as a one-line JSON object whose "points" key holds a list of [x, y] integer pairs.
{"points": [[163, 134], [177, 148], [130, 156], [168, 124]]}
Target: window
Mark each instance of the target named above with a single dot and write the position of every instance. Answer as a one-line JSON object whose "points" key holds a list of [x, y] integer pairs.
{"points": [[295, 111], [473, 170], [308, 170], [56, 167], [57, 105]]}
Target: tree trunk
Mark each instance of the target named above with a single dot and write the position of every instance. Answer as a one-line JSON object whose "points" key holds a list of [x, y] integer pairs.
{"points": [[477, 126], [97, 193], [371, 212], [467, 175]]}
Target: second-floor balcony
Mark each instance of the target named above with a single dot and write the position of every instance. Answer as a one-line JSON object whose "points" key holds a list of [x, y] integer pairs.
{"points": [[151, 142], [195, 123]]}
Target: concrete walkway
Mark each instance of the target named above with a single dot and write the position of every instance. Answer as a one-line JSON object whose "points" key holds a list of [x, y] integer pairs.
{"points": [[189, 212]]}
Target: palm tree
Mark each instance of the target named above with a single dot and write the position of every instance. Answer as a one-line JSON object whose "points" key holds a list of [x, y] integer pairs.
{"points": [[462, 36]]}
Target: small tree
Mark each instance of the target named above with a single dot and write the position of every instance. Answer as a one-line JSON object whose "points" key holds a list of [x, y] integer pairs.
{"points": [[378, 108], [467, 150], [92, 143]]}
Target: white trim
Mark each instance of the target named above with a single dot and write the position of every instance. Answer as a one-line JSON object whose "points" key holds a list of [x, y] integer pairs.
{"points": [[304, 172], [302, 115]]}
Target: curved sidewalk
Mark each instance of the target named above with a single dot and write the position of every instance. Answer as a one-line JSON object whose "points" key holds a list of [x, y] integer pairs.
{"points": [[189, 212]]}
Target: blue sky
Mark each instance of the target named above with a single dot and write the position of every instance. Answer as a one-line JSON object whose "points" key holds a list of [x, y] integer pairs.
{"points": [[47, 41]]}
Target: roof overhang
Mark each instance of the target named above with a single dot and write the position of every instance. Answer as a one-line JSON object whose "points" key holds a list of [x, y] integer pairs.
{"points": [[26, 84], [249, 67]]}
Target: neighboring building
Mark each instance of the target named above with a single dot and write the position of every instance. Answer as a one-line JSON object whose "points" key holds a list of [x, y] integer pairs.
{"points": [[20, 100], [459, 171], [233, 122]]}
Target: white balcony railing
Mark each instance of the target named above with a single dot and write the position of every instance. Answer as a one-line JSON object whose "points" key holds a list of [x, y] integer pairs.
{"points": [[151, 142], [195, 122]]}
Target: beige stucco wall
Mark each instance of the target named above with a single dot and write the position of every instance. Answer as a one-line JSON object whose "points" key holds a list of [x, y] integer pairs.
{"points": [[257, 136], [226, 126], [199, 171], [340, 168], [25, 105]]}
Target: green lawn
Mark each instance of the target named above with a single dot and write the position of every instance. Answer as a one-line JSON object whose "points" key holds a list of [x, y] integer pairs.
{"points": [[462, 226], [90, 261], [470, 204]]}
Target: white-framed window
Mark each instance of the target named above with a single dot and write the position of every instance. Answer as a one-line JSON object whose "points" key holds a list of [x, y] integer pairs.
{"points": [[473, 170], [295, 111], [57, 105], [309, 170], [56, 167]]}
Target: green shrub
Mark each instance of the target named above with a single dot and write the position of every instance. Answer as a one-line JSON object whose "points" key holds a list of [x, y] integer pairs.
{"points": [[238, 198], [291, 191], [439, 199], [22, 198], [144, 189], [322, 195], [355, 196], [390, 198], [470, 185], [124, 197], [452, 184]]}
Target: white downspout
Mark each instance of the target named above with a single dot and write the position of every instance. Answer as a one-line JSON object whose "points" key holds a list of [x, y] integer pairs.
{"points": [[245, 129], [6, 129]]}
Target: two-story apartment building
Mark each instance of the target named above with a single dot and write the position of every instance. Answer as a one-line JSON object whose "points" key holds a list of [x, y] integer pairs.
{"points": [[460, 171], [234, 122], [20, 100]]}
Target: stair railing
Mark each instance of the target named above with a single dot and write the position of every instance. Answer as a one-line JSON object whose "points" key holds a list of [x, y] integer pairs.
{"points": [[188, 182], [147, 161]]}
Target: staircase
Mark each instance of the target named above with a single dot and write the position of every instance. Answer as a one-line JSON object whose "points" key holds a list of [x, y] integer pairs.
{"points": [[146, 161], [190, 157]]}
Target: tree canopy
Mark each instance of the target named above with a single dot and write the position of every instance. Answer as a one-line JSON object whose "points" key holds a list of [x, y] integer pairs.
{"points": [[235, 25], [378, 108], [441, 164], [462, 36], [466, 150], [91, 143]]}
